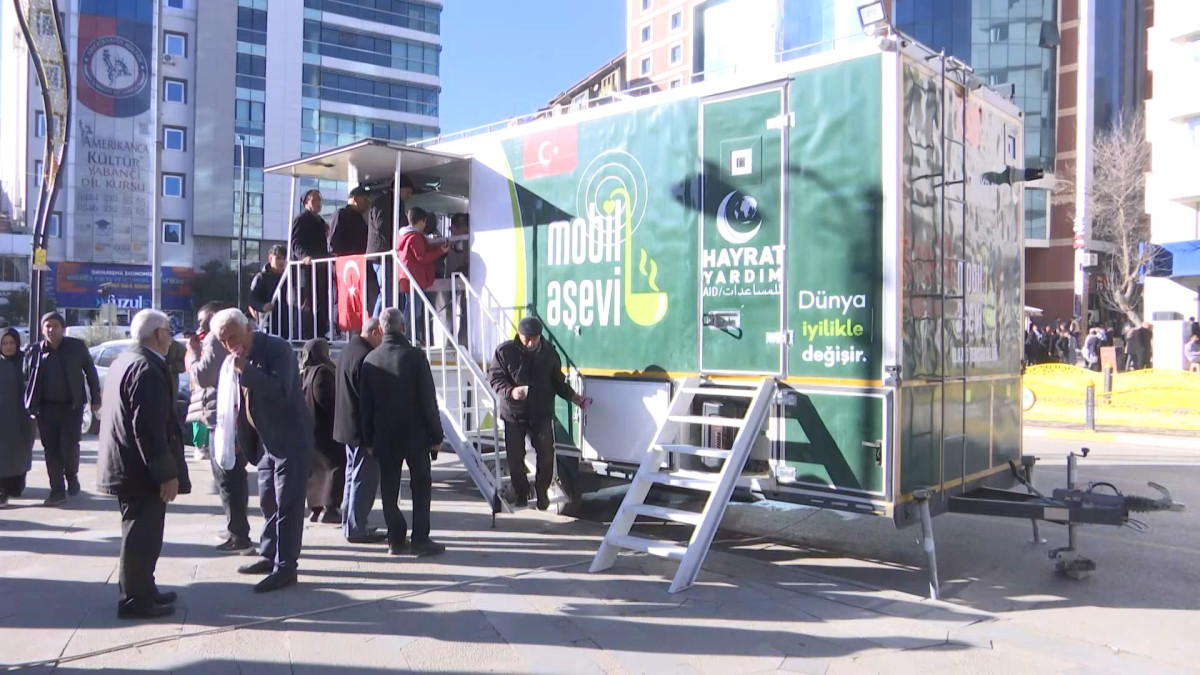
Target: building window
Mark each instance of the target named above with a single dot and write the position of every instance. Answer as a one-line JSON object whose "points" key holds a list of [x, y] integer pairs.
{"points": [[175, 138], [647, 4], [175, 44], [172, 232], [39, 124], [1194, 48], [252, 26], [250, 251], [379, 50], [1036, 212], [401, 13], [254, 157], [37, 173], [998, 33], [1194, 130], [646, 34], [251, 71], [175, 4], [675, 84], [54, 225], [320, 130], [677, 21], [342, 87], [676, 54], [173, 185], [249, 116], [645, 69], [174, 91]]}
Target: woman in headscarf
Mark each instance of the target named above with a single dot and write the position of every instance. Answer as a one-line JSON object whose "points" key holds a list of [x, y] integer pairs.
{"points": [[16, 439], [318, 379]]}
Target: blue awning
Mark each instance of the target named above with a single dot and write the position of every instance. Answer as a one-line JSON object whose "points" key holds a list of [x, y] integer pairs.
{"points": [[1178, 260]]}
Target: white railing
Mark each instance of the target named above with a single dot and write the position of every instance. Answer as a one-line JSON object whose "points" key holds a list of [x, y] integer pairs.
{"points": [[465, 397]]}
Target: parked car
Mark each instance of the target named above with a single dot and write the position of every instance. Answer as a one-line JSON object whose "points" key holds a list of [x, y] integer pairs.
{"points": [[104, 354]]}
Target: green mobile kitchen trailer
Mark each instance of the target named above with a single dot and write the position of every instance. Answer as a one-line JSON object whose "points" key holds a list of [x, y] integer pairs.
{"points": [[805, 281]]}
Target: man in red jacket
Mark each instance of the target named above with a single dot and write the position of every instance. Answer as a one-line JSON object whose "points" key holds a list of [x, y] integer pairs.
{"points": [[418, 257]]}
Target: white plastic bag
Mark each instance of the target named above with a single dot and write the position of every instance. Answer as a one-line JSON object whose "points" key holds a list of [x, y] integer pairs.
{"points": [[229, 398]]}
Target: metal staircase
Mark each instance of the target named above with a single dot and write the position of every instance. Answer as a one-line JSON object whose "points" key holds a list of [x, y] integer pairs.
{"points": [[719, 485]]}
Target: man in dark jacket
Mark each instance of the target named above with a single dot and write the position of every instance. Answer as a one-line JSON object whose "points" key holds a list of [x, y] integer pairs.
{"points": [[1140, 347], [526, 375], [274, 424], [58, 367], [347, 228], [362, 470], [206, 355], [140, 460], [381, 227], [263, 285], [401, 425], [309, 242]]}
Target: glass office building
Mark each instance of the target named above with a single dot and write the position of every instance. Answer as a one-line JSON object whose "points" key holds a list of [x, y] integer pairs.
{"points": [[1007, 42]]}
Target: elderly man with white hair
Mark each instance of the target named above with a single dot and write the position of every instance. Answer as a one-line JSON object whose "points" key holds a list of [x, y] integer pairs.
{"points": [[141, 460], [275, 429]]}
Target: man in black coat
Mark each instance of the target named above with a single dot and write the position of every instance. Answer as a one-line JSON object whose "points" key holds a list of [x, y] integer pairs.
{"points": [[58, 367], [381, 229], [274, 429], [262, 290], [526, 374], [309, 241], [141, 461], [362, 470], [401, 425], [348, 228]]}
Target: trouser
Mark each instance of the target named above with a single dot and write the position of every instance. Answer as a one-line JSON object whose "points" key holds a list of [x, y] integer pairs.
{"points": [[362, 484], [59, 425], [306, 300], [234, 493], [142, 520], [420, 483], [541, 436], [281, 483], [382, 294], [13, 486], [416, 333]]}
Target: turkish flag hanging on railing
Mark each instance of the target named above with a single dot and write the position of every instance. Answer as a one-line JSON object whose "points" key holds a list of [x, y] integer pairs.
{"points": [[352, 292]]}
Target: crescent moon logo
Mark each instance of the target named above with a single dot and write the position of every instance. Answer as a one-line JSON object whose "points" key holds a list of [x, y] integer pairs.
{"points": [[727, 232], [544, 157]]}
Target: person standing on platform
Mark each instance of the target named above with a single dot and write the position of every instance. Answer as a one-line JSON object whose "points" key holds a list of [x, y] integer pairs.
{"points": [[381, 227], [309, 242], [58, 368]]}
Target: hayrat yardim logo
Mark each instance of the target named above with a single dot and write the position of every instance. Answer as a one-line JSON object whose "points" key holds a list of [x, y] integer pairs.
{"points": [[740, 209], [115, 67]]}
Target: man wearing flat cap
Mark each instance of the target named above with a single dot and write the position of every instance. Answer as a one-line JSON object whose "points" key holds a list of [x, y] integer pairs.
{"points": [[348, 228], [526, 375]]}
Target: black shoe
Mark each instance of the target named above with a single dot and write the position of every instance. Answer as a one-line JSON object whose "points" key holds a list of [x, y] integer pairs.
{"points": [[165, 598], [400, 548], [373, 536], [73, 486], [331, 516], [235, 545], [314, 516], [522, 503], [426, 548], [143, 610], [543, 501], [56, 498], [276, 581], [261, 566], [3, 499]]}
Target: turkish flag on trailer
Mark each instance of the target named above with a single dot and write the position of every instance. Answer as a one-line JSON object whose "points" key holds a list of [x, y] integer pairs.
{"points": [[352, 292], [551, 152]]}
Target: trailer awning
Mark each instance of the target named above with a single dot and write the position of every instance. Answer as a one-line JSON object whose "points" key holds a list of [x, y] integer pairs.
{"points": [[1178, 261], [374, 160]]}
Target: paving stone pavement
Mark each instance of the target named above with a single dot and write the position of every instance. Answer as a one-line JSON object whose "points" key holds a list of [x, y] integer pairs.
{"points": [[514, 598]]}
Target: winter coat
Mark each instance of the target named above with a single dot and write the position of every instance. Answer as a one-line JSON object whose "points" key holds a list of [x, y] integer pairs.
{"points": [[204, 373], [262, 287], [418, 257], [399, 411], [347, 232], [16, 439], [540, 369], [379, 223], [78, 364], [140, 444], [308, 237], [347, 425], [318, 378], [273, 414]]}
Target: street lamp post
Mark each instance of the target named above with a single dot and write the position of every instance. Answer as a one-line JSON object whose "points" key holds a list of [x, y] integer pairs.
{"points": [[241, 219]]}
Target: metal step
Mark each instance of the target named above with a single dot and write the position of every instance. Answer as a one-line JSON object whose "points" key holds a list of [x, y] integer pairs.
{"points": [[695, 451], [709, 420], [662, 549], [676, 480], [719, 391], [664, 513]]}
